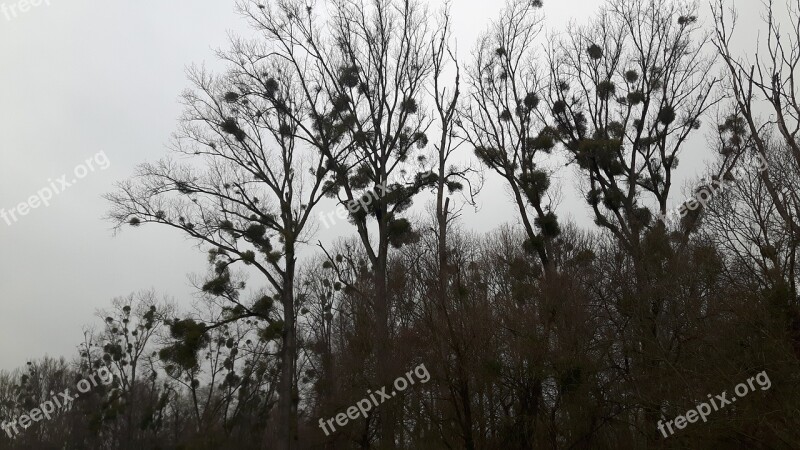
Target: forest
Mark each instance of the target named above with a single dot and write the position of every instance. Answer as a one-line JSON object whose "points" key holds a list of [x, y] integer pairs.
{"points": [[670, 321]]}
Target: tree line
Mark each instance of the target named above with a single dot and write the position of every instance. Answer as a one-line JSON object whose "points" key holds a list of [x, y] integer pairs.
{"points": [[539, 334]]}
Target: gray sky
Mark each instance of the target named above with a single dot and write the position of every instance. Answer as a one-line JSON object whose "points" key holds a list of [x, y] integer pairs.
{"points": [[86, 76]]}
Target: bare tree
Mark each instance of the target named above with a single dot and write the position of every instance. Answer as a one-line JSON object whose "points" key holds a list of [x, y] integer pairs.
{"points": [[363, 72], [626, 92], [501, 120], [246, 191], [126, 345], [760, 84]]}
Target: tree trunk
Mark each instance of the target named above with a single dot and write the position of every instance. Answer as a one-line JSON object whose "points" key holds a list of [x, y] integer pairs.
{"points": [[382, 335], [382, 348], [286, 405]]}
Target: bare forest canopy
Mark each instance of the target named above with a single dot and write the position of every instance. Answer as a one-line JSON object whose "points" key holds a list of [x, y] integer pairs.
{"points": [[414, 332]]}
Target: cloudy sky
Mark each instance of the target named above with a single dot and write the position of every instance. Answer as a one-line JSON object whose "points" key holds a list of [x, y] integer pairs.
{"points": [[80, 77]]}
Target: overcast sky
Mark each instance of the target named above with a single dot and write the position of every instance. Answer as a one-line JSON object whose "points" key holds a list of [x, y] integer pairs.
{"points": [[80, 77]]}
